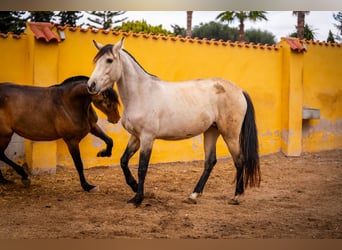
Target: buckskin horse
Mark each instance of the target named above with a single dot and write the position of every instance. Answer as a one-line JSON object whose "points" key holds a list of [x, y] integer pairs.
{"points": [[50, 113], [156, 109]]}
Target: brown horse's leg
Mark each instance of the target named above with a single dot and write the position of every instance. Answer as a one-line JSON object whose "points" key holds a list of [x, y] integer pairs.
{"points": [[98, 132], [76, 156], [210, 139], [4, 141], [132, 147], [16, 167]]}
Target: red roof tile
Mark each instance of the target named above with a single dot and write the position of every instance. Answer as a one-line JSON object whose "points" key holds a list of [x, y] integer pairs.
{"points": [[295, 44], [43, 31], [11, 34]]}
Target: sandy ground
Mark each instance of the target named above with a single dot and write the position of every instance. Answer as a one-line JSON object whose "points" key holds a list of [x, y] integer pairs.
{"points": [[299, 198]]}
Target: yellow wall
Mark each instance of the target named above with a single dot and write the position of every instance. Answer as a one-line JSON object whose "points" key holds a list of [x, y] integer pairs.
{"points": [[279, 81], [322, 84]]}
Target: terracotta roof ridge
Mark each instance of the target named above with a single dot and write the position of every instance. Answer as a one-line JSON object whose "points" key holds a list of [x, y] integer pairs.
{"points": [[12, 34], [171, 37], [295, 44], [318, 42], [43, 31], [196, 39]]}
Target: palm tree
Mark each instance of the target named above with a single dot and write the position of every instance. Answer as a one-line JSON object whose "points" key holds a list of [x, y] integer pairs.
{"points": [[338, 18], [300, 22], [230, 16], [188, 23], [309, 33]]}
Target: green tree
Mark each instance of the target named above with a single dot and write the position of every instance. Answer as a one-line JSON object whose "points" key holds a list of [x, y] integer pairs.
{"points": [[105, 19], [42, 16], [69, 17], [300, 23], [177, 30], [330, 37], [258, 36], [12, 21], [338, 18], [142, 26], [309, 33], [215, 30], [242, 16]]}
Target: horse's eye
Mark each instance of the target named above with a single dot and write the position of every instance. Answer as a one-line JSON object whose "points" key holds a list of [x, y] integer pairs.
{"points": [[109, 60]]}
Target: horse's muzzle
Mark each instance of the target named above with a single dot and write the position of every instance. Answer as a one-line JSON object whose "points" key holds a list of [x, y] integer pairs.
{"points": [[92, 88]]}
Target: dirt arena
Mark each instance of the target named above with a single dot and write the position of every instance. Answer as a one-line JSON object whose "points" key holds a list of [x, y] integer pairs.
{"points": [[299, 198]]}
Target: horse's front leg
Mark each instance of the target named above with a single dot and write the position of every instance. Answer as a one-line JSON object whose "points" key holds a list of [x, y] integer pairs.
{"points": [[144, 159], [73, 146], [131, 148], [98, 132]]}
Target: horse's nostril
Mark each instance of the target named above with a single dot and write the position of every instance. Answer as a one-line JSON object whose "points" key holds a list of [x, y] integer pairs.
{"points": [[91, 87]]}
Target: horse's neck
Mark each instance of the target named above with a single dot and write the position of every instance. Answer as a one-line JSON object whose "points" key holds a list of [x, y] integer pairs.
{"points": [[77, 95], [134, 81]]}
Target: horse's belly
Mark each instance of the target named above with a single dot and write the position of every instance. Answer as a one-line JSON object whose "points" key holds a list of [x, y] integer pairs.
{"points": [[35, 135], [174, 130]]}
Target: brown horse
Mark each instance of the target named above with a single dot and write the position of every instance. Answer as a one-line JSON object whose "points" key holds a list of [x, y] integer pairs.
{"points": [[50, 113]]}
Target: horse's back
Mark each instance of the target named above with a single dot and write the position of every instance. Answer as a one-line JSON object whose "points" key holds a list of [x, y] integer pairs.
{"points": [[27, 110], [204, 93]]}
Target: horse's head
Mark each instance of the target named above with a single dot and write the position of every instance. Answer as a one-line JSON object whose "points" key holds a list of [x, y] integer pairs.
{"points": [[108, 102], [108, 67]]}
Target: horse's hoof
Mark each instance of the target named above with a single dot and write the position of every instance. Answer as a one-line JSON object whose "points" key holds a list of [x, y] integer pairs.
{"points": [[100, 154], [103, 153], [136, 201], [233, 202], [94, 190], [6, 182], [190, 201], [88, 187], [26, 182]]}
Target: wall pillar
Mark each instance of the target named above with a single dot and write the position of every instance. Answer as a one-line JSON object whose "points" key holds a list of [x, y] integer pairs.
{"points": [[292, 97], [42, 156]]}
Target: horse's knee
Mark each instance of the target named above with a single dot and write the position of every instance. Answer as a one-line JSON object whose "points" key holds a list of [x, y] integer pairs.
{"points": [[210, 161]]}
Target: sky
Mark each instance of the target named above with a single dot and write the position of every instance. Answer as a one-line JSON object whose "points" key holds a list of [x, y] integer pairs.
{"points": [[280, 23]]}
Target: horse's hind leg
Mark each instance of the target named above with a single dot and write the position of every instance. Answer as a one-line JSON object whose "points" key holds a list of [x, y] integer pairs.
{"points": [[74, 150], [24, 176], [4, 141], [233, 144], [210, 139]]}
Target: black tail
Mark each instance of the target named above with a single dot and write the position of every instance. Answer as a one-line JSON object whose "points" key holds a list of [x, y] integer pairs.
{"points": [[250, 146]]}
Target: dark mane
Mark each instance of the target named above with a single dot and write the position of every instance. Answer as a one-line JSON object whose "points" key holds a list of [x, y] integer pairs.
{"points": [[138, 63], [109, 49], [73, 80], [104, 50], [111, 94]]}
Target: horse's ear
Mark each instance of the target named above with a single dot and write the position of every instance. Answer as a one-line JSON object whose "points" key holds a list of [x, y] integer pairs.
{"points": [[97, 45], [119, 45]]}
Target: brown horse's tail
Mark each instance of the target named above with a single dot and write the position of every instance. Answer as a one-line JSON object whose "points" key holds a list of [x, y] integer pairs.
{"points": [[250, 147]]}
